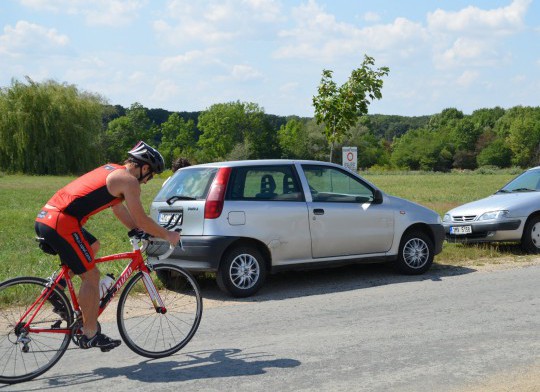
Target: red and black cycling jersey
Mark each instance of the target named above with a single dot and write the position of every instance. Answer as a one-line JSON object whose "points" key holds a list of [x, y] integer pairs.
{"points": [[87, 195]]}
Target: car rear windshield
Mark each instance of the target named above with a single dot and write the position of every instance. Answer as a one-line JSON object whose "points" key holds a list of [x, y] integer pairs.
{"points": [[190, 183]]}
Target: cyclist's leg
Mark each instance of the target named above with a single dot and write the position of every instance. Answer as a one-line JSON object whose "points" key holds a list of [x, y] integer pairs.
{"points": [[78, 255], [93, 241], [89, 300]]}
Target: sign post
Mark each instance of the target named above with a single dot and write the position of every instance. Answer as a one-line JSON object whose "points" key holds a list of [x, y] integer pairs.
{"points": [[350, 158]]}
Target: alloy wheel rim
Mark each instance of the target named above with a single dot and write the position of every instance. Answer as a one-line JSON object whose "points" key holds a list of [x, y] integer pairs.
{"points": [[415, 253], [244, 271]]}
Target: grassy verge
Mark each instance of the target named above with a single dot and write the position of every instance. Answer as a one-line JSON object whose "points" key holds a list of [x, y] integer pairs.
{"points": [[21, 197]]}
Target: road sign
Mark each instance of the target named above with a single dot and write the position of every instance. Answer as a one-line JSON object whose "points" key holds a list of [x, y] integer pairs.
{"points": [[350, 158]]}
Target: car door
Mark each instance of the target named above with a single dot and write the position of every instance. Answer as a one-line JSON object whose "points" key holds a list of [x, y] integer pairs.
{"points": [[266, 202], [343, 218]]}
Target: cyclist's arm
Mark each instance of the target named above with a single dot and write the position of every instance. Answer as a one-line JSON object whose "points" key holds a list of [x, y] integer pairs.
{"points": [[123, 215], [123, 184]]}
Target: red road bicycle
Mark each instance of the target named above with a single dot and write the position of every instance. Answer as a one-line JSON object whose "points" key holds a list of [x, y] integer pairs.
{"points": [[158, 313]]}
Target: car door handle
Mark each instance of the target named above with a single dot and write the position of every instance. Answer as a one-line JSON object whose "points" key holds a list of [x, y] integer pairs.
{"points": [[318, 211]]}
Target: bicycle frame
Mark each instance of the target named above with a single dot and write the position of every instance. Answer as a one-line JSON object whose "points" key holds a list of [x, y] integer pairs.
{"points": [[137, 264]]}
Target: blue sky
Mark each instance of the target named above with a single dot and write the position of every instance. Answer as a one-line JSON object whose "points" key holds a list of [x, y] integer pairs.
{"points": [[185, 55]]}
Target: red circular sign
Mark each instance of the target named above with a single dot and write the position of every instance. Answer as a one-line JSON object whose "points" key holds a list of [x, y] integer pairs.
{"points": [[350, 156]]}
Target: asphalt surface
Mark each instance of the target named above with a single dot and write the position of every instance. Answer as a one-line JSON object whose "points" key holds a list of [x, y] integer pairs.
{"points": [[357, 328]]}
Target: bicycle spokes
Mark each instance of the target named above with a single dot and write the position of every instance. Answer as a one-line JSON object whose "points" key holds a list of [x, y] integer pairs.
{"points": [[30, 341]]}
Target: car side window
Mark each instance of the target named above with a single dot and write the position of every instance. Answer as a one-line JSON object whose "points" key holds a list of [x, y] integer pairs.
{"points": [[329, 184], [265, 183]]}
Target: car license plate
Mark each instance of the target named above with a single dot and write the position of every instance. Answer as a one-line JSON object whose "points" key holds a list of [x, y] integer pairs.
{"points": [[172, 218], [458, 230]]}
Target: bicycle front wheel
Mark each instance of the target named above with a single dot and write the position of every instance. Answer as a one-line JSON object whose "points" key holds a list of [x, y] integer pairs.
{"points": [[27, 352], [157, 333]]}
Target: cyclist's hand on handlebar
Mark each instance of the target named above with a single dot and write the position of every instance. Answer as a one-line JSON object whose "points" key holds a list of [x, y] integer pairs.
{"points": [[173, 237], [137, 233]]}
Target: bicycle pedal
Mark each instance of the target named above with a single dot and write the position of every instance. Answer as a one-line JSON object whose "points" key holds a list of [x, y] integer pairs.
{"points": [[57, 324]]}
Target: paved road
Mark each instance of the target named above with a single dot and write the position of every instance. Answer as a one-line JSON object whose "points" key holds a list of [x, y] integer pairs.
{"points": [[358, 328]]}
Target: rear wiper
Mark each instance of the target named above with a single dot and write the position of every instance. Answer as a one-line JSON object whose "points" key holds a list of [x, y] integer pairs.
{"points": [[174, 198]]}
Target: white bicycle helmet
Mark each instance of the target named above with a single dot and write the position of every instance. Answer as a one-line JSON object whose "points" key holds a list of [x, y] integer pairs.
{"points": [[143, 153]]}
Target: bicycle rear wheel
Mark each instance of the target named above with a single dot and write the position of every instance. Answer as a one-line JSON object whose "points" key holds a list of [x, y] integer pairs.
{"points": [[156, 334], [25, 354]]}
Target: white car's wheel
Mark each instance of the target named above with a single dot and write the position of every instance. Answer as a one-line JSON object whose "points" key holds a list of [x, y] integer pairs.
{"points": [[530, 240]]}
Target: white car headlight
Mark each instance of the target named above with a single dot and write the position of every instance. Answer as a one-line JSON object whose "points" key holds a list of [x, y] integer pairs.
{"points": [[494, 215], [447, 218]]}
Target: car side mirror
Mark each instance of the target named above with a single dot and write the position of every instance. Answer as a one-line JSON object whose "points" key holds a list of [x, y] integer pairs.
{"points": [[377, 197]]}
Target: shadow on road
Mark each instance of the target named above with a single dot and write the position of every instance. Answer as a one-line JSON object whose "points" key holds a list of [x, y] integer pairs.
{"points": [[293, 284], [198, 365]]}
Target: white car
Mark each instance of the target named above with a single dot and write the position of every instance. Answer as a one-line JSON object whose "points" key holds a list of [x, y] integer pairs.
{"points": [[512, 214]]}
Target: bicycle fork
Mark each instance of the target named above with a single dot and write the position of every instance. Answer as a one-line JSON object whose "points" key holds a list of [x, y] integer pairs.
{"points": [[154, 295]]}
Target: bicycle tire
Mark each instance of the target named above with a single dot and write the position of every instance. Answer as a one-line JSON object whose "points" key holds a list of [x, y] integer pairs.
{"points": [[143, 329], [43, 350]]}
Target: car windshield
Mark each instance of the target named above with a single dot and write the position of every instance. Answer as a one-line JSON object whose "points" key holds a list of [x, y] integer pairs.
{"points": [[187, 184], [526, 182]]}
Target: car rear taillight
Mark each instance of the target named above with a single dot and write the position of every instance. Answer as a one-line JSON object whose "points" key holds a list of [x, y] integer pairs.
{"points": [[216, 195]]}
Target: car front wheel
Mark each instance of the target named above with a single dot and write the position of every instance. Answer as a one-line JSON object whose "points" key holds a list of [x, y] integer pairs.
{"points": [[530, 241], [242, 271], [415, 253]]}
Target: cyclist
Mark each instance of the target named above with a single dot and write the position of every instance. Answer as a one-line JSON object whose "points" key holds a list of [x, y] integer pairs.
{"points": [[60, 223]]}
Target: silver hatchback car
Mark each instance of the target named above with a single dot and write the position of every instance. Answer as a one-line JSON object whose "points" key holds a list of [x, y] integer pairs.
{"points": [[246, 219], [511, 214]]}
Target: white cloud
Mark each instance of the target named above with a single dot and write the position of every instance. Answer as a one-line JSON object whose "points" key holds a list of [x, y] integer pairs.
{"points": [[114, 13], [165, 90], [318, 35], [475, 37], [28, 37], [504, 20], [245, 72], [467, 78], [171, 63], [371, 17], [289, 87], [467, 51], [216, 21]]}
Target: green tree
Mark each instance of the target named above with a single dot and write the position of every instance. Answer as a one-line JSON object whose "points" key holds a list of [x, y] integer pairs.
{"points": [[124, 132], [422, 149], [340, 108], [294, 139], [49, 128], [497, 153], [226, 125], [524, 137], [178, 138]]}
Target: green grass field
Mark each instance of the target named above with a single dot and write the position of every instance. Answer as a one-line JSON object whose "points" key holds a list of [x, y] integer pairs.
{"points": [[22, 196]]}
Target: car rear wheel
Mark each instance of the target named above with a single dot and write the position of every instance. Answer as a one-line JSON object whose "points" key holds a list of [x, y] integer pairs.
{"points": [[242, 271], [530, 241], [415, 253]]}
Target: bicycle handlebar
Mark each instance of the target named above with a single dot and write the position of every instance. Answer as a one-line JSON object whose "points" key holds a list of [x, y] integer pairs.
{"points": [[166, 254], [147, 240]]}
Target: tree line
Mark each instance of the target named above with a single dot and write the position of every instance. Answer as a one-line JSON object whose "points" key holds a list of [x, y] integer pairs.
{"points": [[54, 128]]}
